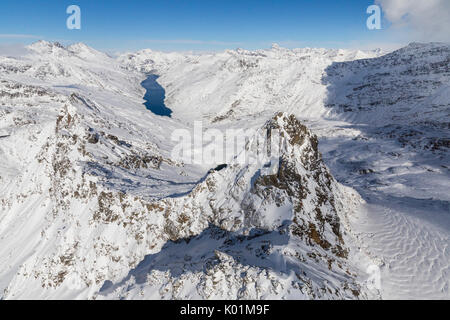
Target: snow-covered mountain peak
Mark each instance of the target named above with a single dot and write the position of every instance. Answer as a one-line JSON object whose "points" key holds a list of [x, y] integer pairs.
{"points": [[275, 46], [56, 50], [288, 201], [68, 68], [46, 47], [84, 51]]}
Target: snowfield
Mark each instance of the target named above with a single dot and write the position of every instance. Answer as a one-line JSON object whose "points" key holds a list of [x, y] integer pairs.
{"points": [[354, 204]]}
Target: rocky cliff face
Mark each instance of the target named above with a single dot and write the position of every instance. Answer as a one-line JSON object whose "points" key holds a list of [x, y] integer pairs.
{"points": [[276, 219], [254, 230]]}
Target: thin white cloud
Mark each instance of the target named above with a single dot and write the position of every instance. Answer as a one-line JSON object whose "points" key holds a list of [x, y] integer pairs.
{"points": [[420, 20], [287, 43], [13, 50], [18, 36], [374, 45], [193, 42]]}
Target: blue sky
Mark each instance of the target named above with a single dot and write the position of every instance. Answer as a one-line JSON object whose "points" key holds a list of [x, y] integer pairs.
{"points": [[117, 25]]}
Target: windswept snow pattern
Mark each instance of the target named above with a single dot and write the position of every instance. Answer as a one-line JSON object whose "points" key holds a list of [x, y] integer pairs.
{"points": [[93, 206]]}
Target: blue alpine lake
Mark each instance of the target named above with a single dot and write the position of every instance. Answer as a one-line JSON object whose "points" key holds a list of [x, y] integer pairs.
{"points": [[155, 96]]}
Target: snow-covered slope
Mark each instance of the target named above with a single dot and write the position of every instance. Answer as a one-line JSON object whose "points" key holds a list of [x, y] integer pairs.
{"points": [[396, 110], [406, 92], [71, 67], [383, 124], [93, 204], [230, 85], [276, 230]]}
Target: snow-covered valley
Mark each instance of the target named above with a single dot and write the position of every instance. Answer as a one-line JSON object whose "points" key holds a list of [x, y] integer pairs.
{"points": [[93, 205]]}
